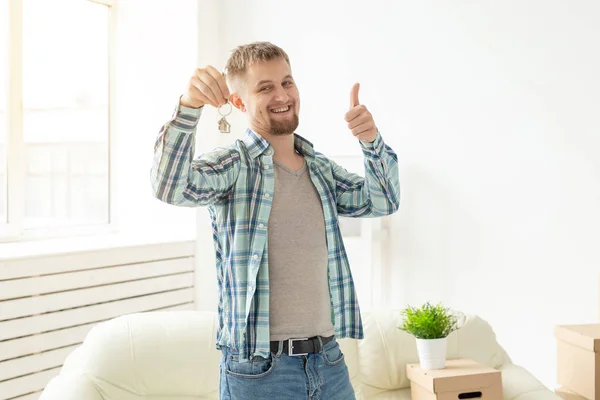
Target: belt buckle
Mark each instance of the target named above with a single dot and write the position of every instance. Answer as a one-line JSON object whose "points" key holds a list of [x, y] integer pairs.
{"points": [[291, 347]]}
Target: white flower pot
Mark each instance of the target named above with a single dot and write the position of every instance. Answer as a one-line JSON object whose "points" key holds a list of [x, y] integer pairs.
{"points": [[432, 353]]}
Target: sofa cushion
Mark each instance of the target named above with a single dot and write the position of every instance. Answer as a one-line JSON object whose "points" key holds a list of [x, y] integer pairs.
{"points": [[121, 354], [475, 339]]}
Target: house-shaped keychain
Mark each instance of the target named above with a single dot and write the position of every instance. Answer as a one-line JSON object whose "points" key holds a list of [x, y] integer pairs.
{"points": [[224, 126]]}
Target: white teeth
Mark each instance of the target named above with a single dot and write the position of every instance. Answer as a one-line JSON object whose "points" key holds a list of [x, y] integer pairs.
{"points": [[283, 109]]}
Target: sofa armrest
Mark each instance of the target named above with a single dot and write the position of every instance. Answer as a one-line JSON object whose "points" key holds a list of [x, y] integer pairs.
{"points": [[520, 384], [70, 387]]}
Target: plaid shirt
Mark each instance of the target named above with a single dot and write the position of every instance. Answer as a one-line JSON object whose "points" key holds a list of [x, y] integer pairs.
{"points": [[236, 184]]}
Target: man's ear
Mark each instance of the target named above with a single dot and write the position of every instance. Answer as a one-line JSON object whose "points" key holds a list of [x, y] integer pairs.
{"points": [[237, 102]]}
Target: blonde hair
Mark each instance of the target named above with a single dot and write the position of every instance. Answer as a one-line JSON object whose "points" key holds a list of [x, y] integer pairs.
{"points": [[242, 57]]}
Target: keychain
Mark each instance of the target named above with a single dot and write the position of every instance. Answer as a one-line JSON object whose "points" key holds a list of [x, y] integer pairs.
{"points": [[224, 126]]}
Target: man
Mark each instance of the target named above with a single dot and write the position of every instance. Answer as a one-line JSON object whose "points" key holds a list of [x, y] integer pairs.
{"points": [[285, 288]]}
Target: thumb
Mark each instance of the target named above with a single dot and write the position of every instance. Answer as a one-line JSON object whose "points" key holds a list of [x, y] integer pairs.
{"points": [[354, 95]]}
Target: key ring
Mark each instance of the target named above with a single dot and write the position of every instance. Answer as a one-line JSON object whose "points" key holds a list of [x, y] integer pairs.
{"points": [[230, 109]]}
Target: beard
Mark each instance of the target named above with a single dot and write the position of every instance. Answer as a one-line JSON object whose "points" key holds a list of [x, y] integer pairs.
{"points": [[285, 127]]}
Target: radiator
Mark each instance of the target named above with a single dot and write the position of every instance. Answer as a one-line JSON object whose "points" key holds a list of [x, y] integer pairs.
{"points": [[49, 304]]}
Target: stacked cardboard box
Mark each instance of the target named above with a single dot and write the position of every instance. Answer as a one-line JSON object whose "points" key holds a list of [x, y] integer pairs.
{"points": [[578, 361]]}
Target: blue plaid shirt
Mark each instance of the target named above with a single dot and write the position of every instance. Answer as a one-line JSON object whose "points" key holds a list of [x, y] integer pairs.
{"points": [[236, 183]]}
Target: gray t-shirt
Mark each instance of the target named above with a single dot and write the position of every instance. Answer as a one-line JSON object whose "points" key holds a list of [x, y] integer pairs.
{"points": [[299, 301]]}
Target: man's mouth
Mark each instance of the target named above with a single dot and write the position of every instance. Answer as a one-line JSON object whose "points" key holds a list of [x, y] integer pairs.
{"points": [[280, 110]]}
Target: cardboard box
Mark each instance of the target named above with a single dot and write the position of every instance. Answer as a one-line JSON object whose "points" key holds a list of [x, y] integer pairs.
{"points": [[461, 379], [578, 359], [566, 394]]}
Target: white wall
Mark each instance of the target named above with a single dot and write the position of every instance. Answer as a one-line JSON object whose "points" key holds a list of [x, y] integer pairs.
{"points": [[493, 110]]}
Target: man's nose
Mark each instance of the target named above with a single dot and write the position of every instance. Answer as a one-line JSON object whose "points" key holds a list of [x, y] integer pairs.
{"points": [[281, 95]]}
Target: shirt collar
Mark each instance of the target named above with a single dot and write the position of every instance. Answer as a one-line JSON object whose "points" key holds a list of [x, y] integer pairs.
{"points": [[257, 145]]}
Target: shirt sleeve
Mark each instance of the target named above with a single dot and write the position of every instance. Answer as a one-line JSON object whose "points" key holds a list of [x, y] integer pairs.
{"points": [[376, 194], [177, 178]]}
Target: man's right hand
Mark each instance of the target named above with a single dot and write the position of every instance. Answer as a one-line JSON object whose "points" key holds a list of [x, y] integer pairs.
{"points": [[206, 86]]}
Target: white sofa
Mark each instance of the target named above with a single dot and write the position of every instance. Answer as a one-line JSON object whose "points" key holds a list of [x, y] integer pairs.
{"points": [[171, 356]]}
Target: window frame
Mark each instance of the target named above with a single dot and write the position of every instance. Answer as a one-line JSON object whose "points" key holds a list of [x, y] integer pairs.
{"points": [[13, 229]]}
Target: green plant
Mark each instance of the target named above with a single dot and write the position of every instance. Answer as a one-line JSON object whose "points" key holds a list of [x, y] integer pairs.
{"points": [[429, 321]]}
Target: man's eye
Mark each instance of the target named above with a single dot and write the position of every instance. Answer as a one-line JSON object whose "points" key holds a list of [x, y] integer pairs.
{"points": [[287, 83], [262, 89]]}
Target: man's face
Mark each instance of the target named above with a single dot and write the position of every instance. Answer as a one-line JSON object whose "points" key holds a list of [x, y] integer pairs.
{"points": [[271, 97]]}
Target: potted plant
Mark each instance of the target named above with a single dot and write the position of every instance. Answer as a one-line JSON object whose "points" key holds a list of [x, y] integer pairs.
{"points": [[430, 324]]}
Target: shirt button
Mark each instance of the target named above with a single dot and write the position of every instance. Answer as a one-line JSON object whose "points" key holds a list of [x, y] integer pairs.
{"points": [[261, 226], [267, 195], [255, 257], [266, 167]]}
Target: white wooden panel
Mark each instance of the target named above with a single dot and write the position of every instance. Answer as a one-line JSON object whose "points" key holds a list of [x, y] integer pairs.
{"points": [[35, 266], [37, 362], [43, 341], [33, 396], [84, 315], [55, 283], [77, 298], [26, 384]]}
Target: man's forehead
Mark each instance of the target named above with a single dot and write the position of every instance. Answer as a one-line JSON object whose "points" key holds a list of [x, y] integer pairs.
{"points": [[272, 70]]}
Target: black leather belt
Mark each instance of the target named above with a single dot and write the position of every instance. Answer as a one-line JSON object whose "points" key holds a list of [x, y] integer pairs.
{"points": [[301, 347]]}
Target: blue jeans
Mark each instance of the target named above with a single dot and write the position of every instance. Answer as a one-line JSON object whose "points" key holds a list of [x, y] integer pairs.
{"points": [[315, 376]]}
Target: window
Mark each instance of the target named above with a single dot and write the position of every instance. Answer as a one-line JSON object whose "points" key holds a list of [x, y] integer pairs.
{"points": [[58, 169]]}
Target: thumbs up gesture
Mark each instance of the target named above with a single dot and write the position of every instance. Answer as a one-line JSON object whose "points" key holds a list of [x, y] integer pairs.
{"points": [[360, 121]]}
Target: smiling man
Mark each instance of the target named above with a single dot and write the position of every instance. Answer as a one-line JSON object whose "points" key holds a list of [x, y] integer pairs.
{"points": [[286, 292]]}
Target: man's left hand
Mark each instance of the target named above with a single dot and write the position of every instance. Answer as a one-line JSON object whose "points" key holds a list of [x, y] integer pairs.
{"points": [[360, 121]]}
